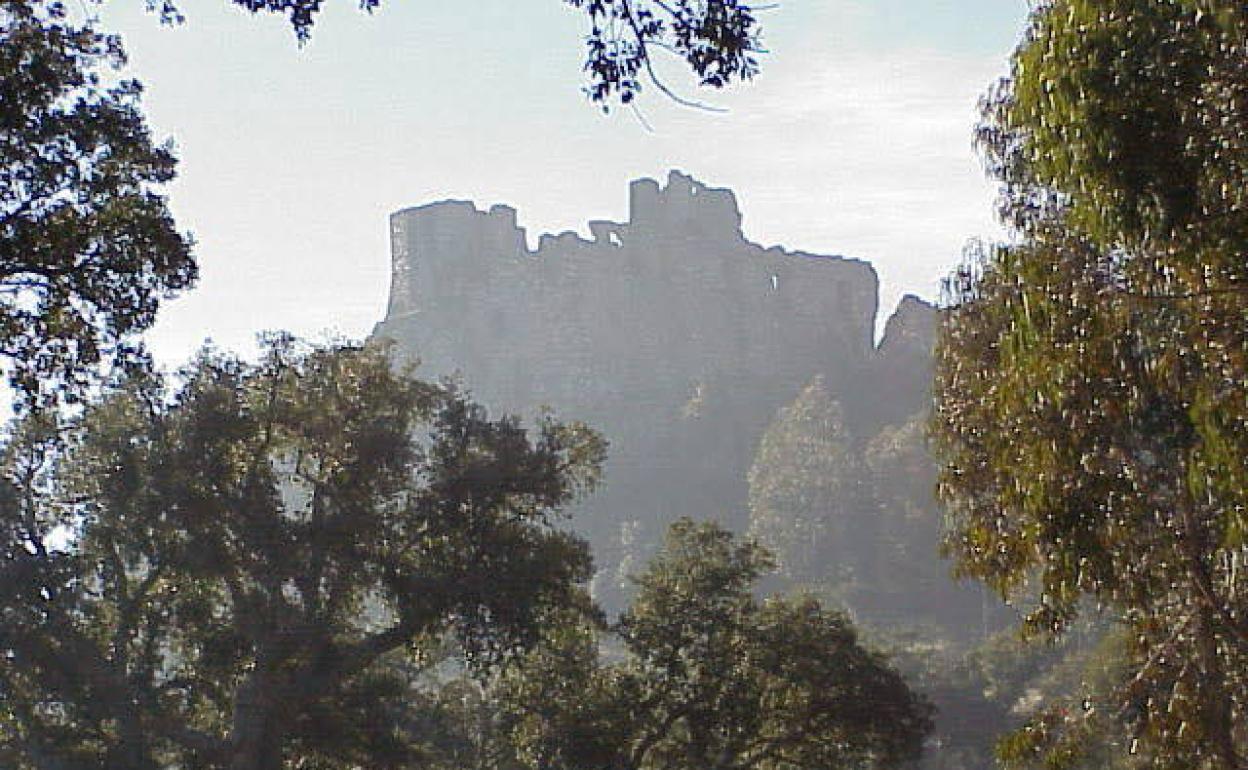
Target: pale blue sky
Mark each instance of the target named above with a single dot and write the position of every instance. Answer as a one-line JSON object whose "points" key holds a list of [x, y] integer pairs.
{"points": [[855, 140]]}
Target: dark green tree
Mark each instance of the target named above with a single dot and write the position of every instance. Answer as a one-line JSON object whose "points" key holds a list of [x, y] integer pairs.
{"points": [[243, 574], [1092, 380], [88, 248], [701, 674]]}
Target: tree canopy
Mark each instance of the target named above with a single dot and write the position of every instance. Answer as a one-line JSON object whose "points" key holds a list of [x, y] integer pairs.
{"points": [[704, 675], [88, 247], [1092, 384], [240, 573], [806, 488]]}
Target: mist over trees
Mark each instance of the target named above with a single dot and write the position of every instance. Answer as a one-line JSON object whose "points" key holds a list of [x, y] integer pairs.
{"points": [[252, 565], [700, 673], [255, 568], [216, 576], [806, 468], [316, 560]]}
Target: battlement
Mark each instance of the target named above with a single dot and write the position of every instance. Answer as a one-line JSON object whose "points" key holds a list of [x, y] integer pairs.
{"points": [[685, 239]]}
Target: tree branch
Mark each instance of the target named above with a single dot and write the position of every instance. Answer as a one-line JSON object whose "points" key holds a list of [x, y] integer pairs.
{"points": [[643, 53]]}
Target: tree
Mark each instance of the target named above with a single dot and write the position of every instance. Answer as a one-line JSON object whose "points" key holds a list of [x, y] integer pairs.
{"points": [[856, 521], [709, 677], [241, 575], [88, 247], [718, 40], [807, 490], [1092, 381]]}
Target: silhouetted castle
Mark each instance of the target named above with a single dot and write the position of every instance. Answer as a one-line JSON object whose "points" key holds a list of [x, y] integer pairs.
{"points": [[670, 333]]}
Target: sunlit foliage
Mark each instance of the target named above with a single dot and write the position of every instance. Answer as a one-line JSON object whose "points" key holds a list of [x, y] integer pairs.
{"points": [[1092, 379], [237, 574]]}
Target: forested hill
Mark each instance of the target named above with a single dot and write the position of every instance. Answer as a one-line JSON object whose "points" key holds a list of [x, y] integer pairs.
{"points": [[693, 350]]}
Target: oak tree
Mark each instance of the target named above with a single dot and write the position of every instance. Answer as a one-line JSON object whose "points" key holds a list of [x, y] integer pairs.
{"points": [[88, 247], [236, 574], [699, 673]]}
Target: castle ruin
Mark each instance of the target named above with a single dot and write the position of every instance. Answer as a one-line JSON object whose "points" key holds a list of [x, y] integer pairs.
{"points": [[670, 333]]}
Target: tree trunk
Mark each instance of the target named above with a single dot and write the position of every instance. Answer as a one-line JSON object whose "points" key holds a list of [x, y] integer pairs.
{"points": [[1215, 703], [132, 753], [256, 736], [1215, 708]]}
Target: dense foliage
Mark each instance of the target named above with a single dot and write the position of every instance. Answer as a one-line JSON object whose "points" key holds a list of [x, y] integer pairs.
{"points": [[88, 248], [702, 674], [242, 574], [1093, 375]]}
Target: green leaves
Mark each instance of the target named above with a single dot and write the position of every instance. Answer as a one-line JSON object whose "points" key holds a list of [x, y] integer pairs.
{"points": [[88, 248], [1091, 375], [705, 675], [255, 554]]}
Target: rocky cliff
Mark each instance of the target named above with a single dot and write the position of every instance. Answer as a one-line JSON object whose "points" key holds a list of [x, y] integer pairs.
{"points": [[671, 333]]}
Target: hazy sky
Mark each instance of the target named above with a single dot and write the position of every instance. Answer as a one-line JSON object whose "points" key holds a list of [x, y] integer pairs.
{"points": [[855, 140]]}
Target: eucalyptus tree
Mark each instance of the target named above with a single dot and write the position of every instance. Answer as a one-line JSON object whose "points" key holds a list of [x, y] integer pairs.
{"points": [[1092, 383], [244, 573]]}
